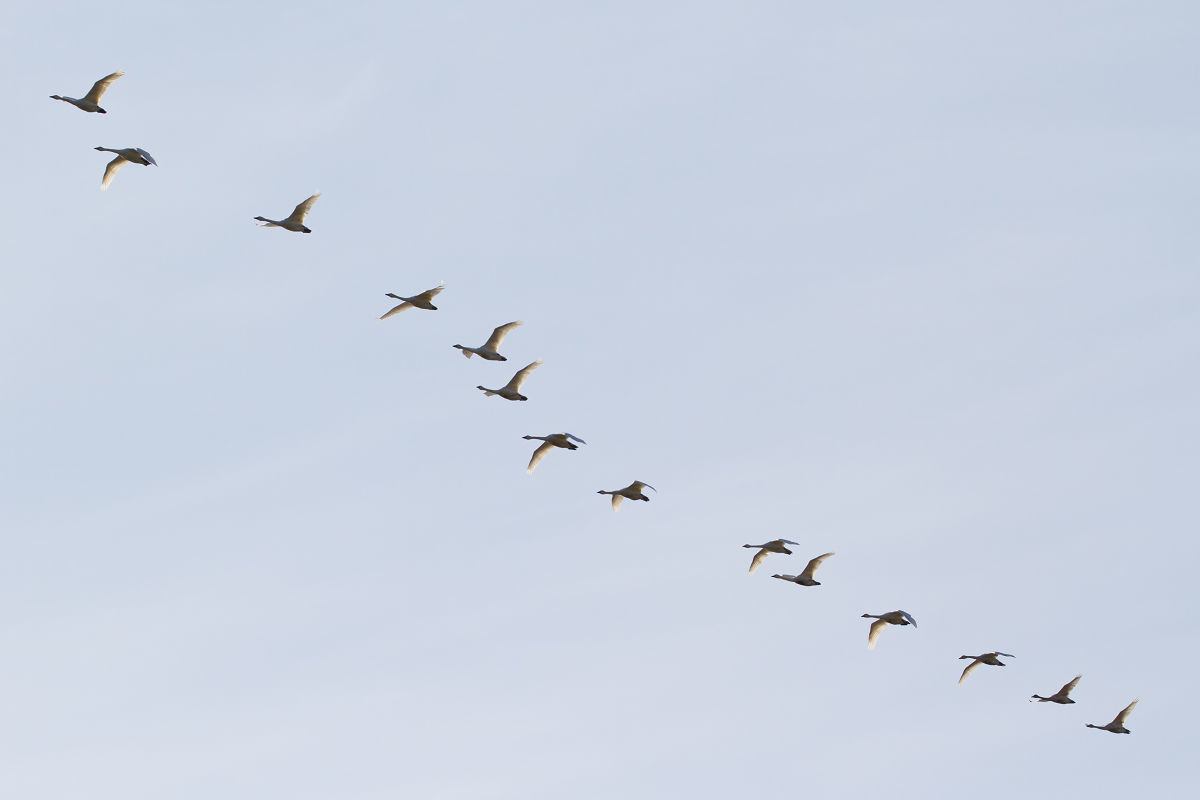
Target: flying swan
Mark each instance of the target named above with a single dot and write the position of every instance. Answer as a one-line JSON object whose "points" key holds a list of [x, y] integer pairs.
{"points": [[294, 221], [564, 440], [805, 578], [487, 350], [421, 300], [883, 620], [511, 390], [90, 102], [126, 155], [632, 492]]}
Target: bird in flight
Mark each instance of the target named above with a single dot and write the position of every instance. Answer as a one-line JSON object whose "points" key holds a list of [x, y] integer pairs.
{"points": [[90, 102], [126, 155], [805, 578], [1060, 696], [294, 221], [422, 300], [773, 546], [563, 440], [883, 620], [633, 492], [991, 659], [1118, 723], [487, 350], [511, 390]]}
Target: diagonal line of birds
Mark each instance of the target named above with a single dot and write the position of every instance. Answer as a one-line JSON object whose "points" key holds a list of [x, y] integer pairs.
{"points": [[489, 351]]}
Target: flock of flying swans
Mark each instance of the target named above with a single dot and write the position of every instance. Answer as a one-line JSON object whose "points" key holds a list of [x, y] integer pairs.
{"points": [[295, 222], [90, 103], [899, 617], [488, 351]]}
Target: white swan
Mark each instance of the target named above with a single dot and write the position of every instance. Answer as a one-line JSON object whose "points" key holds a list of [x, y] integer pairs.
{"points": [[126, 155], [421, 300], [805, 578], [90, 102], [1060, 696], [773, 546], [1118, 723], [294, 221], [991, 659], [883, 620], [487, 350], [511, 390], [549, 442], [633, 492]]}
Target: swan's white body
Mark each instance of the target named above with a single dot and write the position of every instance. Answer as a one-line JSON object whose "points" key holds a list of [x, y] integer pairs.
{"points": [[1118, 723], [511, 390], [487, 350], [294, 221], [805, 578], [773, 546], [1061, 696], [564, 440], [125, 155], [422, 300], [632, 492], [883, 620], [90, 102], [991, 659]]}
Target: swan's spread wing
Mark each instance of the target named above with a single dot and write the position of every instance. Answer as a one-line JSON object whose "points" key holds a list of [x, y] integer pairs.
{"points": [[298, 214], [637, 486], [99, 87], [397, 309], [758, 559], [1069, 685], [146, 156], [519, 378], [812, 565], [538, 455], [908, 617], [498, 335], [1007, 655], [570, 435], [111, 170], [873, 636], [786, 541], [429, 294], [616, 501], [968, 670], [1120, 718]]}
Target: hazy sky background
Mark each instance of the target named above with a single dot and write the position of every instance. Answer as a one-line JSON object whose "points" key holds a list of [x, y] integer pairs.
{"points": [[915, 283]]}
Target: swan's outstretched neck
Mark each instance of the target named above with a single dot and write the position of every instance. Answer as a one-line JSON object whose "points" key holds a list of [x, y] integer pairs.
{"points": [[465, 351]]}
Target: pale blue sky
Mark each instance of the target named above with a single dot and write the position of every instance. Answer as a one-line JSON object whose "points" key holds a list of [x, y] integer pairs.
{"points": [[915, 283]]}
